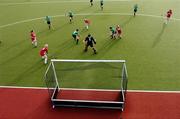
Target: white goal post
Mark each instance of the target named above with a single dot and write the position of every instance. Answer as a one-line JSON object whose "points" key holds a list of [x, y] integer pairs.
{"points": [[52, 81]]}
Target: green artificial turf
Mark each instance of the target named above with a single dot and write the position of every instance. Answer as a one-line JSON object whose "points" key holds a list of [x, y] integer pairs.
{"points": [[150, 48]]}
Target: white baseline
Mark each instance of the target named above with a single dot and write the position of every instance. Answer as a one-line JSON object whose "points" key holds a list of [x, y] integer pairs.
{"points": [[42, 88]]}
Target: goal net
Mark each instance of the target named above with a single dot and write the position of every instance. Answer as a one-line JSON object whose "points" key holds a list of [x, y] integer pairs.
{"points": [[87, 83]]}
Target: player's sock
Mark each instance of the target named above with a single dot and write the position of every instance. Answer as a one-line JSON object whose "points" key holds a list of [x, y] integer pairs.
{"points": [[94, 51], [87, 26], [77, 41], [85, 50], [45, 61], [35, 44]]}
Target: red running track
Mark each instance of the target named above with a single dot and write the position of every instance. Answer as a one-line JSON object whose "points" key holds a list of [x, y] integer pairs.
{"points": [[34, 104]]}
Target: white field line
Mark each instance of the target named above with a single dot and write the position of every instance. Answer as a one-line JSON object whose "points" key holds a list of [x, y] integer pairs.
{"points": [[55, 2], [42, 88], [86, 14]]}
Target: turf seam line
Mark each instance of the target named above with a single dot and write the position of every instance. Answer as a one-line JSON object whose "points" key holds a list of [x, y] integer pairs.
{"points": [[53, 2]]}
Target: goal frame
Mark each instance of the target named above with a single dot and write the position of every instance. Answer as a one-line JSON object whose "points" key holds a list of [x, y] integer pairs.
{"points": [[53, 91]]}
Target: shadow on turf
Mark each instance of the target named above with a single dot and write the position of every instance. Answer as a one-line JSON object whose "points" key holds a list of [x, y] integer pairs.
{"points": [[14, 57], [4, 45], [89, 67], [127, 21], [108, 45], [29, 71], [64, 47], [158, 37]]}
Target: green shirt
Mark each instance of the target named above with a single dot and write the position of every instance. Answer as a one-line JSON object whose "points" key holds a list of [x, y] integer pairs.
{"points": [[48, 18], [113, 30], [135, 7], [70, 14], [101, 2], [75, 33]]}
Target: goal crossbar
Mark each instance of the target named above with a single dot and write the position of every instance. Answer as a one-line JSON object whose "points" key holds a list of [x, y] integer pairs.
{"points": [[69, 60]]}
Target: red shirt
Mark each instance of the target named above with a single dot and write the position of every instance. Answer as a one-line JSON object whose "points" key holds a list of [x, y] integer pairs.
{"points": [[43, 51], [118, 29], [33, 36], [87, 21], [169, 14]]}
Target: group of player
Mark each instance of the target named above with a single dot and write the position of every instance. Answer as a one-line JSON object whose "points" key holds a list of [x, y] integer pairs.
{"points": [[101, 4], [115, 33], [44, 51], [89, 40]]}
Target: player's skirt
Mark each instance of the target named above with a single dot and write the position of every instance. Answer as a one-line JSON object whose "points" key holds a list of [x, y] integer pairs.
{"points": [[74, 36], [89, 44], [48, 22], [44, 56], [118, 32], [33, 40], [135, 10], [70, 16]]}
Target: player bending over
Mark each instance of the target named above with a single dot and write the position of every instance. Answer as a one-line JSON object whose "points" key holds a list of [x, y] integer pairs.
{"points": [[135, 9], [48, 20], [118, 32], [101, 4], [87, 23], [70, 15], [112, 32], [43, 53], [33, 38], [91, 3], [90, 41], [76, 36], [168, 16]]}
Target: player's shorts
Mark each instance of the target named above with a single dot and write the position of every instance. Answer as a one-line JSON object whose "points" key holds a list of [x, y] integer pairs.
{"points": [[33, 39], [90, 44], [113, 32], [43, 56], [74, 36], [135, 10], [168, 16], [101, 4], [71, 16], [118, 32], [48, 22]]}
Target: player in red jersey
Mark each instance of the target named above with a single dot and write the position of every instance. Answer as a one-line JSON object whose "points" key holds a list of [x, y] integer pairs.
{"points": [[43, 53], [87, 23], [118, 32], [168, 16], [33, 38]]}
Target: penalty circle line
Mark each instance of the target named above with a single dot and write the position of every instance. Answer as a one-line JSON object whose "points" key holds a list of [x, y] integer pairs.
{"points": [[88, 14]]}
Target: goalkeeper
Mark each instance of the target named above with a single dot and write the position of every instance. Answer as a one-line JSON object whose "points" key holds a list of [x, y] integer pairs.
{"points": [[90, 41]]}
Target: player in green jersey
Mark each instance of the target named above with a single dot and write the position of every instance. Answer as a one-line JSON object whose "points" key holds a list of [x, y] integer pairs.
{"points": [[48, 21], [101, 4], [76, 36], [112, 32], [135, 9], [70, 14]]}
